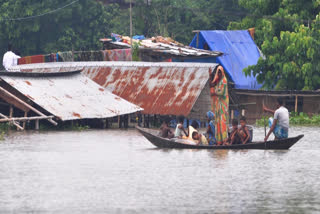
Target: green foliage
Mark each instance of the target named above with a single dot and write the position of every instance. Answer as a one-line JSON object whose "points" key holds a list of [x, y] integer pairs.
{"points": [[135, 52], [4, 127], [81, 25], [2, 133], [78, 26], [289, 43], [64, 127], [301, 119], [178, 18]]}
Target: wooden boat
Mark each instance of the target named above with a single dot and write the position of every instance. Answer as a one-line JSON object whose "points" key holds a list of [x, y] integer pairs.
{"points": [[160, 142]]}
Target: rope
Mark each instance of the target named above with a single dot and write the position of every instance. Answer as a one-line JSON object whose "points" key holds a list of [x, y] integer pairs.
{"points": [[39, 15]]}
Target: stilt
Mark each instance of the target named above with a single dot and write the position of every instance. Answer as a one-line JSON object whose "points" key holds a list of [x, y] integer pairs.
{"points": [[24, 123], [143, 120], [125, 121], [296, 105], [11, 111], [148, 121], [37, 125], [129, 120], [107, 123]]}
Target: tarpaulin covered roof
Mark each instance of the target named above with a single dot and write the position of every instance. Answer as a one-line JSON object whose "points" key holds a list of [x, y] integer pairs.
{"points": [[159, 88], [239, 50], [71, 97]]}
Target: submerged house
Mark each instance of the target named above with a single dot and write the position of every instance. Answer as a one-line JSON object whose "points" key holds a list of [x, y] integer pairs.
{"points": [[159, 88], [57, 98], [240, 51]]}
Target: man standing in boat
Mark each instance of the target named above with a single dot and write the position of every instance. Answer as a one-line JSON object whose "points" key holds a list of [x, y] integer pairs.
{"points": [[279, 124]]}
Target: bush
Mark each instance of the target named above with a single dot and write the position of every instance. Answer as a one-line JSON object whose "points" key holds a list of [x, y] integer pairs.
{"points": [[296, 119]]}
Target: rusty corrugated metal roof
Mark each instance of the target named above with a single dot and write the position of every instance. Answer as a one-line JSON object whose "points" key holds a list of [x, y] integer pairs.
{"points": [[71, 97], [159, 88]]}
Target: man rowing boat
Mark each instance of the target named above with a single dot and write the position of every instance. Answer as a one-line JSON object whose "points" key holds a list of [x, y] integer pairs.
{"points": [[279, 124]]}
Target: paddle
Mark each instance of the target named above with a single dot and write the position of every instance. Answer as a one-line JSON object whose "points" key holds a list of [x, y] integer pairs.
{"points": [[264, 119]]}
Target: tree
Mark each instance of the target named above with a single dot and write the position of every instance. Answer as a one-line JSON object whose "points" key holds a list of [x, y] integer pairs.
{"points": [[288, 37], [178, 18], [78, 26]]}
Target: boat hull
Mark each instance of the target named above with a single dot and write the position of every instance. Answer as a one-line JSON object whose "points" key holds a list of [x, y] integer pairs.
{"points": [[160, 142]]}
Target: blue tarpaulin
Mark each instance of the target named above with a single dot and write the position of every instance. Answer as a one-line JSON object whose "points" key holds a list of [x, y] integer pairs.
{"points": [[239, 50]]}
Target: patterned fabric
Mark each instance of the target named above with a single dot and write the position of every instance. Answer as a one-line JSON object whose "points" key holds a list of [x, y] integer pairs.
{"points": [[220, 101], [211, 135], [278, 131], [117, 55], [88, 56], [31, 59]]}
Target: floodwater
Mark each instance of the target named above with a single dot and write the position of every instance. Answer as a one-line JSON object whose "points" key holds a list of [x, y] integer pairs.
{"points": [[118, 171]]}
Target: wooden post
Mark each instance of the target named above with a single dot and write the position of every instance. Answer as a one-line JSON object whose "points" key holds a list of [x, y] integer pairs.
{"points": [[143, 120], [131, 28], [25, 105], [119, 121], [37, 125], [11, 111], [197, 39], [129, 120], [296, 104], [14, 119], [232, 114], [24, 123]]}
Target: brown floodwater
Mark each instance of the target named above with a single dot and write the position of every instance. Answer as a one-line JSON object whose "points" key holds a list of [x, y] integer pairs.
{"points": [[119, 171]]}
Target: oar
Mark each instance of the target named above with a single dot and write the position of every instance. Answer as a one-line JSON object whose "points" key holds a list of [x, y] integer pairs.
{"points": [[264, 120]]}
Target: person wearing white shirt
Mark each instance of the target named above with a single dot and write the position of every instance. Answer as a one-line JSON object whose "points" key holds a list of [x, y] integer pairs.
{"points": [[17, 53], [9, 58], [279, 125]]}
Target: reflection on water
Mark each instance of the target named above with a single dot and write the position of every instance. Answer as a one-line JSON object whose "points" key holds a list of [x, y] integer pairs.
{"points": [[113, 171]]}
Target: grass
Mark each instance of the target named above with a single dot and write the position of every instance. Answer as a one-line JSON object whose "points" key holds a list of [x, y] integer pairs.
{"points": [[296, 119]]}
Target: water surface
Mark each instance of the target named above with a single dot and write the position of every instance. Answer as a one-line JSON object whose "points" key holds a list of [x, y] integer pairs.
{"points": [[118, 171]]}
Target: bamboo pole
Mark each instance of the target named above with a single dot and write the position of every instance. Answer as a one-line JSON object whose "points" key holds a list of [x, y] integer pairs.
{"points": [[24, 122], [23, 118], [26, 105], [13, 122], [131, 28], [37, 125], [11, 111]]}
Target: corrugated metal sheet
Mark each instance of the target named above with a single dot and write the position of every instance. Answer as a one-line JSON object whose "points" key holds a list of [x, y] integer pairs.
{"points": [[71, 97], [159, 88]]}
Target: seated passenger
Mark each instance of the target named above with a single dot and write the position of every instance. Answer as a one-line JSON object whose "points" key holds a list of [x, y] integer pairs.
{"points": [[199, 138], [180, 132], [165, 130], [211, 129], [243, 132], [192, 132], [233, 136]]}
